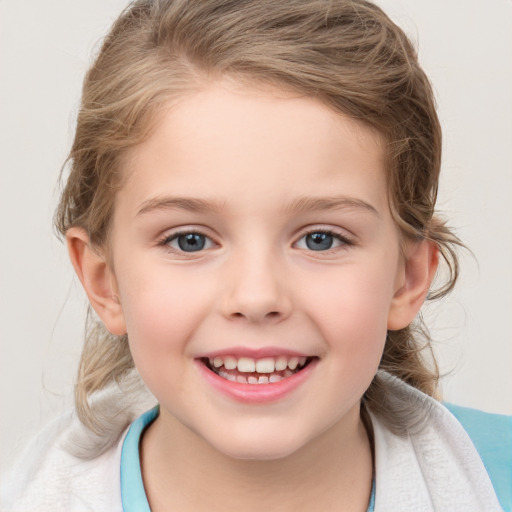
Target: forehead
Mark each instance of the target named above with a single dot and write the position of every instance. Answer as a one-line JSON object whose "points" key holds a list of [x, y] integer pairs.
{"points": [[229, 140]]}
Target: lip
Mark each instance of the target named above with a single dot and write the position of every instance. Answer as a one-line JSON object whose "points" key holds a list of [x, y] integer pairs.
{"points": [[256, 393], [258, 353]]}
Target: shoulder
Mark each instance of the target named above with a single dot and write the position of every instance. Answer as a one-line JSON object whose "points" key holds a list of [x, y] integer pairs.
{"points": [[491, 435], [431, 463], [48, 477]]}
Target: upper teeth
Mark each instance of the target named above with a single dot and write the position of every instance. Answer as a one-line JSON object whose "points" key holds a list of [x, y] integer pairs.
{"points": [[264, 365]]}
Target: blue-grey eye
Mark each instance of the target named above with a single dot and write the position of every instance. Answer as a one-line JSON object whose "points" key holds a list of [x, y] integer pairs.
{"points": [[319, 241], [191, 242]]}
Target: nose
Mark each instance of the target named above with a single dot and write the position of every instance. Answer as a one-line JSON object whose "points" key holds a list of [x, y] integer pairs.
{"points": [[256, 290]]}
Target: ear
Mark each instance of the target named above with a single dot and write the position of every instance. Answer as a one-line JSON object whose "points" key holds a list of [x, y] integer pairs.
{"points": [[97, 279], [418, 271]]}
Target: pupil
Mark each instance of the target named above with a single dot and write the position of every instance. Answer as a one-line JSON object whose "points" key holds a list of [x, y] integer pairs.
{"points": [[319, 241], [191, 242]]}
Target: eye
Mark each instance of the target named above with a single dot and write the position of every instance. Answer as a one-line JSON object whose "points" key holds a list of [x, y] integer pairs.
{"points": [[321, 241], [188, 242]]}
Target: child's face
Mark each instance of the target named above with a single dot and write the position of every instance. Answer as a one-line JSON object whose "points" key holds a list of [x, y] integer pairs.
{"points": [[256, 225]]}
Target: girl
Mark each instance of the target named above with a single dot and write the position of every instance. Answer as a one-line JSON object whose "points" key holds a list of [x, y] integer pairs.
{"points": [[250, 210]]}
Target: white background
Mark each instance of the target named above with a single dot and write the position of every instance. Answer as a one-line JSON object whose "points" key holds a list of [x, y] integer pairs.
{"points": [[45, 48]]}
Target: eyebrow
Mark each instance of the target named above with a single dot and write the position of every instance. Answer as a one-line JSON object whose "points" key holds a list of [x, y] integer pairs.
{"points": [[180, 203], [299, 205], [305, 204]]}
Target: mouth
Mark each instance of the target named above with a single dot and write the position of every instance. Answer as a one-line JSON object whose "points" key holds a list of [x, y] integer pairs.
{"points": [[264, 371]]}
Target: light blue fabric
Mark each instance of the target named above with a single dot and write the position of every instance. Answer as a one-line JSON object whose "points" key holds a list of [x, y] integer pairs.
{"points": [[492, 436], [371, 506], [133, 495]]}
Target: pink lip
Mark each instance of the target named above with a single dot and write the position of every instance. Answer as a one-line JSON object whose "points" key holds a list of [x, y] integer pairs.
{"points": [[258, 353], [256, 393]]}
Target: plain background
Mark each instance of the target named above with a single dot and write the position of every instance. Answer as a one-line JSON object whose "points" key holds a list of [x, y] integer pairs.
{"points": [[45, 48]]}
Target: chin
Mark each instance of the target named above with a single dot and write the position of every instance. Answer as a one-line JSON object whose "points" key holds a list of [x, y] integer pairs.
{"points": [[258, 447]]}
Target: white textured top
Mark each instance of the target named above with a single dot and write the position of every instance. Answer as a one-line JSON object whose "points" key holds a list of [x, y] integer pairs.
{"points": [[47, 478], [436, 469]]}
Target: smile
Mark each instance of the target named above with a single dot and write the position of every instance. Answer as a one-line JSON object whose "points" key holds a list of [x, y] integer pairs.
{"points": [[256, 376], [246, 370]]}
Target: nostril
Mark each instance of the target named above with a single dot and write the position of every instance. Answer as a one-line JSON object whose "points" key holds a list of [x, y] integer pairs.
{"points": [[269, 315]]}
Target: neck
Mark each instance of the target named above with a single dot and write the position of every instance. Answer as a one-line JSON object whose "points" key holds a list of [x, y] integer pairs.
{"points": [[183, 472]]}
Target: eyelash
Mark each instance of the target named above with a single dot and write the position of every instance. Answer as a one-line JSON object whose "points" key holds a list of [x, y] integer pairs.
{"points": [[343, 240]]}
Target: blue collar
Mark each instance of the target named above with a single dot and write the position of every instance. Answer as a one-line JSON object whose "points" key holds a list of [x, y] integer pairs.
{"points": [[133, 495], [371, 506]]}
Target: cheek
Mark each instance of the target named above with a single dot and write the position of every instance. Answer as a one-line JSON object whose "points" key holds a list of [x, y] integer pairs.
{"points": [[160, 320], [351, 307], [162, 310]]}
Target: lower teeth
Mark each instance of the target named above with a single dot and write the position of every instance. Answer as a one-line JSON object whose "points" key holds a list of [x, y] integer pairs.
{"points": [[252, 379]]}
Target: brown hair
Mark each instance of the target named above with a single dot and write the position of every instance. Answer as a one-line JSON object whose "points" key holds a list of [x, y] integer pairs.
{"points": [[345, 53]]}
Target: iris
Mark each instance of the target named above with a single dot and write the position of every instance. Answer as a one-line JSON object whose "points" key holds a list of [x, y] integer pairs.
{"points": [[319, 241], [191, 242]]}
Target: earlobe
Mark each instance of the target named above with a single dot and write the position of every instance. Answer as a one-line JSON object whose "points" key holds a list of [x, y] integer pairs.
{"points": [[97, 279], [421, 260]]}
